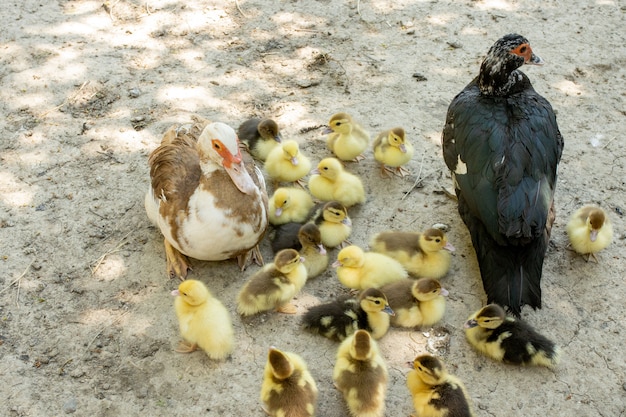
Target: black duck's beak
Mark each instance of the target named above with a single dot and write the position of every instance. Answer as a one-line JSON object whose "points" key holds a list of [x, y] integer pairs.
{"points": [[535, 60]]}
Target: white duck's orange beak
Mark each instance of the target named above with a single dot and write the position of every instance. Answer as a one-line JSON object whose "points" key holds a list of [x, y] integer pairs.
{"points": [[234, 166]]}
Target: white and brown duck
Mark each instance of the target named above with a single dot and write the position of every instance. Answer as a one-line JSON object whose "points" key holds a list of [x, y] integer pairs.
{"points": [[206, 196]]}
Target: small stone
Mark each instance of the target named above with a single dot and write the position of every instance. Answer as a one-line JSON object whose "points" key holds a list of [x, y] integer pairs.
{"points": [[134, 93], [419, 77], [70, 406]]}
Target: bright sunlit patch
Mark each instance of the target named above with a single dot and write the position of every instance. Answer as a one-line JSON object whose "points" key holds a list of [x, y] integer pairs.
{"points": [[434, 137], [111, 268], [440, 19], [12, 192], [495, 5], [569, 88], [185, 98], [103, 316], [137, 325]]}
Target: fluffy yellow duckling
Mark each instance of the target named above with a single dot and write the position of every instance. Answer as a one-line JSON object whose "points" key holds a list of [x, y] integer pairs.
{"points": [[359, 270], [589, 230], [392, 149], [260, 136], [331, 182], [435, 392], [274, 285], [510, 340], [203, 321], [346, 138], [416, 302], [288, 389], [334, 223], [424, 254], [361, 375], [286, 163], [289, 204], [345, 315], [313, 251]]}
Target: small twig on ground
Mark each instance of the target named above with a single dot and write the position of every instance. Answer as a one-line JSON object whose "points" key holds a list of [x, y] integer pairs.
{"points": [[67, 100], [110, 251], [417, 180], [113, 322], [609, 142], [358, 7], [17, 280], [239, 8]]}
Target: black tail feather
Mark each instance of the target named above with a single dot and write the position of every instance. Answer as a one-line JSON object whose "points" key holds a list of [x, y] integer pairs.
{"points": [[511, 274]]}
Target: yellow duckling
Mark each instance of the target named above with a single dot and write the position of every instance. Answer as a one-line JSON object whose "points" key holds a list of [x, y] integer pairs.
{"points": [[331, 182], [359, 270], [289, 204], [260, 136], [313, 251], [435, 392], [424, 254], [203, 321], [510, 340], [589, 231], [286, 163], [392, 149], [346, 138], [344, 316], [274, 285], [334, 223], [361, 375], [416, 302], [288, 389]]}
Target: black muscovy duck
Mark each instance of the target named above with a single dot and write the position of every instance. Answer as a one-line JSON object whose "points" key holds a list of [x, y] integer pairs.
{"points": [[502, 143]]}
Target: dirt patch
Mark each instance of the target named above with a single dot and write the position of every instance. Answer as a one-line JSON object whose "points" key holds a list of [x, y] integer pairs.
{"points": [[86, 320]]}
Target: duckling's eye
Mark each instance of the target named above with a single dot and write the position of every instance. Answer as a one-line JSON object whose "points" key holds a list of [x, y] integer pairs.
{"points": [[185, 294], [377, 302], [217, 146], [285, 202], [437, 240], [522, 49], [325, 168]]}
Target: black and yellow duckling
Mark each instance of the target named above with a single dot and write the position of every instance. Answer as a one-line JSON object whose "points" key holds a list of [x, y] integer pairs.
{"points": [[359, 270], [392, 150], [334, 223], [346, 138], [331, 182], [313, 250], [331, 219], [274, 285], [203, 320], [260, 136], [286, 163], [510, 340], [424, 254], [435, 392], [289, 204], [361, 375], [288, 389], [589, 230], [416, 303], [342, 317]]}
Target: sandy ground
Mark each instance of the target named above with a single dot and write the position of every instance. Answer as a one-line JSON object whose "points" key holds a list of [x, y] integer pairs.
{"points": [[86, 317]]}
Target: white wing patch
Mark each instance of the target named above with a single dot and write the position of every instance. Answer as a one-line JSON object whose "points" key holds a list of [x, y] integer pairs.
{"points": [[461, 167]]}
